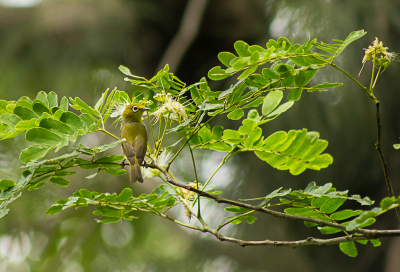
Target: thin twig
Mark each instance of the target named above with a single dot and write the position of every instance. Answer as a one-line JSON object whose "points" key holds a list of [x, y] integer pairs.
{"points": [[195, 176], [383, 161]]}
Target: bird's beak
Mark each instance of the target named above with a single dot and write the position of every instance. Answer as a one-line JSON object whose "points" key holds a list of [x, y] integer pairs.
{"points": [[145, 109]]}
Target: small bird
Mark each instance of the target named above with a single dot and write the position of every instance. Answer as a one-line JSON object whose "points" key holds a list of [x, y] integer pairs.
{"points": [[134, 131]]}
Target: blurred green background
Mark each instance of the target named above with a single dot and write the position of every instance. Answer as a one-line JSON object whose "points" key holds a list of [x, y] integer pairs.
{"points": [[74, 49]]}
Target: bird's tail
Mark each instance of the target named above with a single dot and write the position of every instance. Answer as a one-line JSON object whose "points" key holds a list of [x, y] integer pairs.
{"points": [[136, 173]]}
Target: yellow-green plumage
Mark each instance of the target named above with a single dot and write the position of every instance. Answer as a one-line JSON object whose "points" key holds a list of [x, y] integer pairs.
{"points": [[134, 131]]}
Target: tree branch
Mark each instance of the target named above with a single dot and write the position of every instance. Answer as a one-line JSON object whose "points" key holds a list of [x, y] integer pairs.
{"points": [[383, 161], [368, 233], [293, 244]]}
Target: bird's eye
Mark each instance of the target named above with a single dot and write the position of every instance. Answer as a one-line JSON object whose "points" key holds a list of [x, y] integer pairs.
{"points": [[135, 108]]}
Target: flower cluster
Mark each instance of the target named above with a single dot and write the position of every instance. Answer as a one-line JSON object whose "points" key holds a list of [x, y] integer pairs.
{"points": [[118, 109], [378, 48], [170, 107], [187, 197]]}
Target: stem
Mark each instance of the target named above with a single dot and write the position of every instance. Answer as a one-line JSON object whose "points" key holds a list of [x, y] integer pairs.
{"points": [[376, 78], [355, 80], [373, 72], [234, 218], [195, 176], [194, 133], [160, 140], [224, 160], [108, 133], [383, 161]]}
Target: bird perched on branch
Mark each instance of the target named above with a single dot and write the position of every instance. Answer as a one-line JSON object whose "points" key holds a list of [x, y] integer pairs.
{"points": [[134, 131]]}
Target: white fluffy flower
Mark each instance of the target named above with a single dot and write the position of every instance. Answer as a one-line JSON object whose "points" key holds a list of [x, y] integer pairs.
{"points": [[171, 108]]}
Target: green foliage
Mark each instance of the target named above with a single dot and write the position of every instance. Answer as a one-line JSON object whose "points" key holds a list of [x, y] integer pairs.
{"points": [[322, 203], [116, 207], [267, 77]]}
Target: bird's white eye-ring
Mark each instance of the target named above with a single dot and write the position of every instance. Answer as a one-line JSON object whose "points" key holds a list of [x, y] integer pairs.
{"points": [[135, 108]]}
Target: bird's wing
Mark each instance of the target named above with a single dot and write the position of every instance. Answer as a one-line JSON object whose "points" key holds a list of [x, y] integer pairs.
{"points": [[136, 148]]}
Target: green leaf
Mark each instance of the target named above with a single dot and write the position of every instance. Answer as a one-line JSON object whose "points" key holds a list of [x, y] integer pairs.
{"points": [[387, 202], [25, 113], [3, 212], [236, 114], [34, 152], [236, 209], [281, 109], [274, 140], [248, 126], [269, 74], [325, 85], [26, 124], [309, 74], [329, 230], [242, 48], [375, 242], [219, 146], [109, 220], [271, 101], [42, 136], [332, 205], [3, 106], [295, 94], [232, 136], [298, 211], [125, 195], [248, 72], [344, 214], [348, 248], [64, 104], [205, 133], [238, 220], [283, 68], [85, 193], [60, 181], [226, 57], [217, 73], [10, 119], [53, 99], [253, 137], [54, 209], [42, 96], [300, 78], [240, 64], [39, 107], [280, 151], [88, 121], [72, 120], [255, 56], [250, 219], [253, 115], [56, 127], [317, 191], [6, 183], [217, 132], [79, 104], [353, 36], [114, 171]]}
